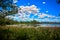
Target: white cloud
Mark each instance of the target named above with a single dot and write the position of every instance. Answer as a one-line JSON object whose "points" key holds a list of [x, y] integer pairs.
{"points": [[15, 1], [24, 15], [47, 19], [46, 11], [44, 2], [28, 9], [25, 12], [26, 19], [43, 15], [9, 17]]}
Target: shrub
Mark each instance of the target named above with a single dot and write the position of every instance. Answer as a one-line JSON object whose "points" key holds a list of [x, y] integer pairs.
{"points": [[16, 33]]}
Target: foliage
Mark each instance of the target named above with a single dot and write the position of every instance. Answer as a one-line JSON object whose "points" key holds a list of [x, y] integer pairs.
{"points": [[29, 22], [7, 8], [4, 21], [37, 22], [16, 33], [58, 1]]}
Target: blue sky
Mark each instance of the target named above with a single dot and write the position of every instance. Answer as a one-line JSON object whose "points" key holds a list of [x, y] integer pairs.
{"points": [[50, 5], [48, 10]]}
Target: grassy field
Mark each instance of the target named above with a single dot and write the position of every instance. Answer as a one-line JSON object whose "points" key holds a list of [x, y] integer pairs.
{"points": [[18, 33]]}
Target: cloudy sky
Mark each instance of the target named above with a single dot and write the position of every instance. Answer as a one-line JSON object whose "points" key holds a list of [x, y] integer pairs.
{"points": [[40, 10]]}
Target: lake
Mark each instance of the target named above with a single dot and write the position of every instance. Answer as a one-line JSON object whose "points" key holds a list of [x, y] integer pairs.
{"points": [[36, 25], [48, 25]]}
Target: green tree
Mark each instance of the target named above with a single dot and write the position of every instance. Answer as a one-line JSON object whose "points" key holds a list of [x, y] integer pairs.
{"points": [[58, 1], [7, 7]]}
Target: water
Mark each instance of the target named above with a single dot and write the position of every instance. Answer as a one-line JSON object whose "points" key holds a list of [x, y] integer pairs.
{"points": [[37, 25], [49, 25]]}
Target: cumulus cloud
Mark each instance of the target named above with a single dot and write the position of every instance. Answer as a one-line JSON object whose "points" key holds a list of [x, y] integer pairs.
{"points": [[43, 15], [28, 9], [9, 17], [47, 19], [26, 19], [24, 13]]}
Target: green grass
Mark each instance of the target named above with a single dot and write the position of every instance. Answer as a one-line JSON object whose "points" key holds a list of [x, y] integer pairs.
{"points": [[17, 33]]}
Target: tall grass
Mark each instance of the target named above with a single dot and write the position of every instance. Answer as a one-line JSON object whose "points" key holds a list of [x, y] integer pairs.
{"points": [[17, 33]]}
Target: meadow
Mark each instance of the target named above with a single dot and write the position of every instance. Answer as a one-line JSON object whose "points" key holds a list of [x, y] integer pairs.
{"points": [[18, 33]]}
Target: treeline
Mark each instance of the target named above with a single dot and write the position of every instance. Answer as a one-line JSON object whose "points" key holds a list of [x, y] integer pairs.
{"points": [[29, 22], [49, 22], [36, 22], [4, 21]]}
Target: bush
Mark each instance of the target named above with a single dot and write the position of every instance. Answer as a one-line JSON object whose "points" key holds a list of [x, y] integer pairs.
{"points": [[4, 21], [15, 33]]}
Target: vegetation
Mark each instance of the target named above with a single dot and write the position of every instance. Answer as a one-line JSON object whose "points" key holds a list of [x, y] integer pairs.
{"points": [[4, 22], [58, 1], [7, 8], [16, 33], [36, 22], [29, 22]]}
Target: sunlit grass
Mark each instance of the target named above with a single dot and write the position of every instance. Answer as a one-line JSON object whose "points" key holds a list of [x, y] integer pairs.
{"points": [[33, 33]]}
